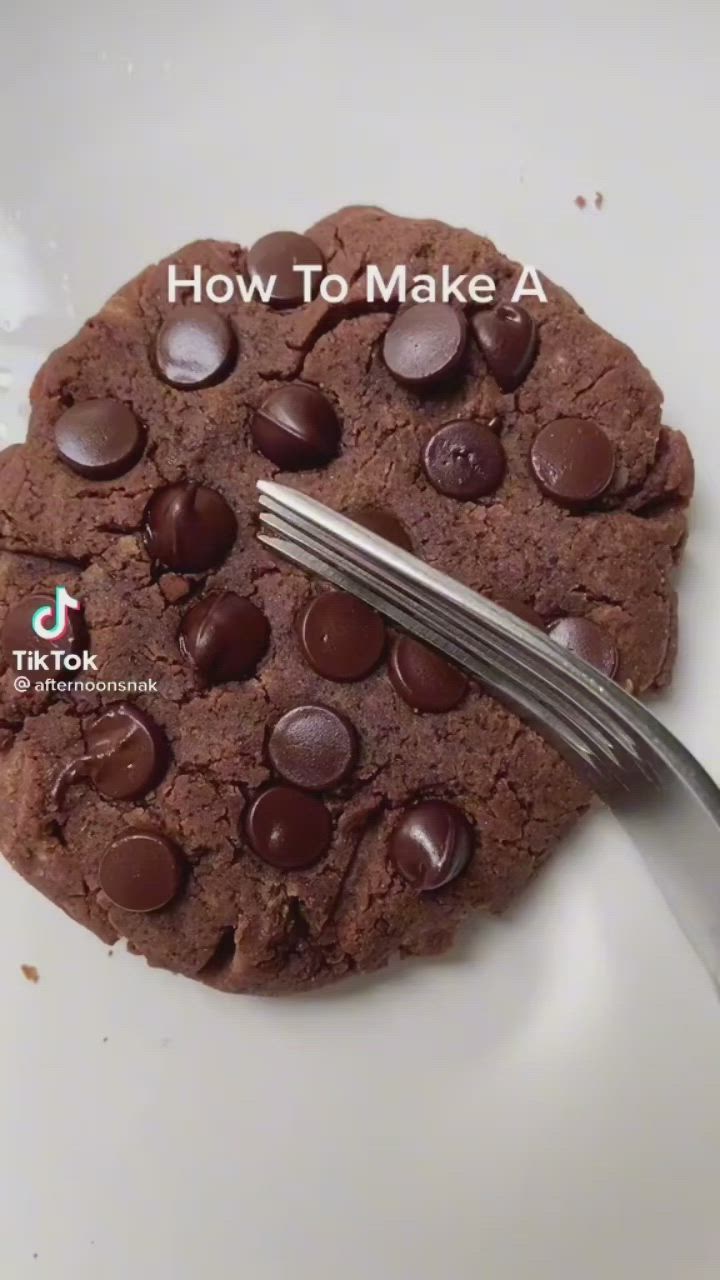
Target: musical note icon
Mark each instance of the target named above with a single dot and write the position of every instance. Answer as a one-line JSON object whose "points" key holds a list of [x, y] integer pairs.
{"points": [[50, 623]]}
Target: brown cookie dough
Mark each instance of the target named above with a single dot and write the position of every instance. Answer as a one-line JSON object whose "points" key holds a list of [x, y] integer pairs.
{"points": [[305, 796]]}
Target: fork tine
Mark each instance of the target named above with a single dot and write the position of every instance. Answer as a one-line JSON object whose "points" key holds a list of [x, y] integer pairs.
{"points": [[605, 733], [590, 750], [360, 546]]}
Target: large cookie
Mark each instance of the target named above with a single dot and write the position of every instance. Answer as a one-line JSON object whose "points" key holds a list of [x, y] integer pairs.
{"points": [[307, 795]]}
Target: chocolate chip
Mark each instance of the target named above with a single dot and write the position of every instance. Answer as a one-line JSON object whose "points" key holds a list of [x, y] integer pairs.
{"points": [[464, 460], [513, 604], [224, 636], [141, 871], [276, 255], [384, 523], [195, 347], [507, 337], [100, 439], [126, 756], [425, 343], [573, 460], [17, 631], [127, 752], [423, 678], [296, 427], [288, 828], [586, 640], [341, 637], [431, 844], [313, 747], [188, 527]]}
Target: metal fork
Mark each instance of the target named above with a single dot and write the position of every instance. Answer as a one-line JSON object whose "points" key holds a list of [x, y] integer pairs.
{"points": [[662, 795]]}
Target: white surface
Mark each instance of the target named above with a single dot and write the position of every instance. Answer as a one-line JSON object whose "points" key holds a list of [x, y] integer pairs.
{"points": [[545, 1103]]}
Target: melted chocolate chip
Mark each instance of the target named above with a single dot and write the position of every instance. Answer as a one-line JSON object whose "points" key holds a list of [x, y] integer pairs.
{"points": [[384, 523], [425, 343], [288, 828], [313, 747], [195, 347], [341, 637], [425, 680], [277, 254], [224, 637], [573, 461], [507, 337], [431, 844], [100, 439], [296, 427], [188, 527], [18, 633], [465, 460], [586, 640], [141, 871], [126, 756]]}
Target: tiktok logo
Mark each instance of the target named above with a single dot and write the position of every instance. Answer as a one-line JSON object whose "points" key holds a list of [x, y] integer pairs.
{"points": [[48, 622], [61, 637]]}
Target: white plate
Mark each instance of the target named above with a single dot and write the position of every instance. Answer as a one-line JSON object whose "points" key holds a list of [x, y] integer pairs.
{"points": [[545, 1103]]}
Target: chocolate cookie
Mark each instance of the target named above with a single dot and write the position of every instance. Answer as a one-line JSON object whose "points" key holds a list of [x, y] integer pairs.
{"points": [[305, 794]]}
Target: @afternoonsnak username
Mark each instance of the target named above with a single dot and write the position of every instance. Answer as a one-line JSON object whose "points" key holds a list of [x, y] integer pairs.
{"points": [[50, 684], [399, 285]]}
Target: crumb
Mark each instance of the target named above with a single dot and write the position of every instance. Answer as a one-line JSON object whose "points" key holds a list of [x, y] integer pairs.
{"points": [[30, 972], [34, 1255], [105, 1039], [581, 202], [174, 587], [110, 952], [599, 199]]}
